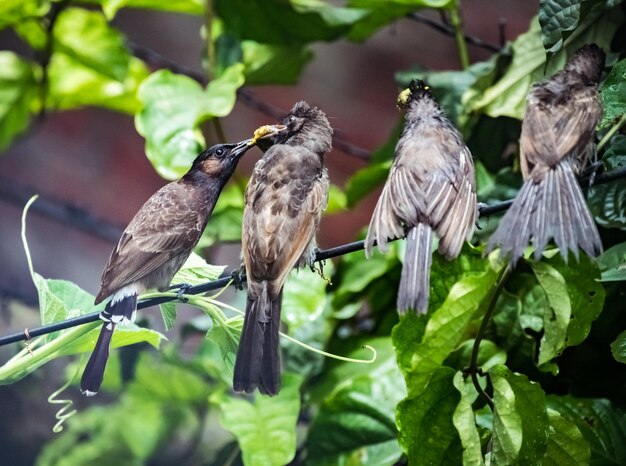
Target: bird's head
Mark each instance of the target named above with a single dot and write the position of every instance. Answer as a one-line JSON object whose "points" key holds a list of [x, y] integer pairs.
{"points": [[417, 89], [306, 125], [221, 159], [587, 62]]}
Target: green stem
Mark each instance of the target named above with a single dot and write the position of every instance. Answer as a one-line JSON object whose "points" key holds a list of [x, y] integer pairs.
{"points": [[473, 367], [459, 36], [614, 129]]}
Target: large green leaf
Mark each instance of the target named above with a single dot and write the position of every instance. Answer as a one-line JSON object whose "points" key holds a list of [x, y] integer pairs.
{"points": [[427, 433], [111, 7], [18, 95], [279, 22], [265, 427], [612, 263], [520, 419], [566, 444], [613, 94], [274, 64], [465, 423], [173, 107], [601, 423]]}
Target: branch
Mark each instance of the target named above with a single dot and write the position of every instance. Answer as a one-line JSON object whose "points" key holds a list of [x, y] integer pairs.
{"points": [[60, 211], [449, 30], [321, 255]]}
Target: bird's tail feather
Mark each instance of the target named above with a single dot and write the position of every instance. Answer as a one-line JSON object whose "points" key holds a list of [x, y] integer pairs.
{"points": [[553, 207], [258, 356], [414, 287], [94, 370]]}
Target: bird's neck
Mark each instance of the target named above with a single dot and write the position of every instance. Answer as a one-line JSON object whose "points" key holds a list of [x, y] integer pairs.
{"points": [[317, 141]]}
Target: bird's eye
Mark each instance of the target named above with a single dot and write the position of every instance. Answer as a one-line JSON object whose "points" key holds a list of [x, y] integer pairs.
{"points": [[219, 152]]}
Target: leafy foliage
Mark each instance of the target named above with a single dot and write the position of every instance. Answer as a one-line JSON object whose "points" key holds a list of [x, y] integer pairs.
{"points": [[477, 380]]}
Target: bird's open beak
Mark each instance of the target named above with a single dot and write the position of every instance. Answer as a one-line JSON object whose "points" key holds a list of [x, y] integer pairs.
{"points": [[268, 131], [243, 146]]}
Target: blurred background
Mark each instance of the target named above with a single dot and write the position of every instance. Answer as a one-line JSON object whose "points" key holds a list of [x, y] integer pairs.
{"points": [[93, 160]]}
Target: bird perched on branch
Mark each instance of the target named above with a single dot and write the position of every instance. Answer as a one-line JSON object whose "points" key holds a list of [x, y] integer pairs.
{"points": [[157, 242], [284, 201], [555, 145], [430, 190]]}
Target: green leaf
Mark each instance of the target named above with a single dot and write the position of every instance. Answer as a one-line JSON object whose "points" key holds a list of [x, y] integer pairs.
{"points": [[266, 426], [173, 108], [18, 95], [520, 420], [612, 263], [618, 348], [606, 201], [601, 423], [337, 200], [427, 433], [566, 444], [111, 7], [168, 312], [556, 316], [16, 11], [613, 95], [273, 64], [465, 424], [278, 22], [85, 37], [195, 271], [558, 18]]}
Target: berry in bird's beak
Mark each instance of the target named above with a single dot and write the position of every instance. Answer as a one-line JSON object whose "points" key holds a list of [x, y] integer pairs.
{"points": [[267, 131]]}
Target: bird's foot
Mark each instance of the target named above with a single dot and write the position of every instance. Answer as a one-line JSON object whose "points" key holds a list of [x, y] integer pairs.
{"points": [[182, 289], [480, 206], [318, 267], [591, 171], [239, 277]]}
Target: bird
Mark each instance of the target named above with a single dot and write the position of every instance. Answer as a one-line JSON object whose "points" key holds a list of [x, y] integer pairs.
{"points": [[556, 143], [430, 191], [157, 242], [284, 200]]}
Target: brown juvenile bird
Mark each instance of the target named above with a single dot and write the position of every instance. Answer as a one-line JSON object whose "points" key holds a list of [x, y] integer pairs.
{"points": [[555, 145], [430, 189], [284, 201], [157, 242]]}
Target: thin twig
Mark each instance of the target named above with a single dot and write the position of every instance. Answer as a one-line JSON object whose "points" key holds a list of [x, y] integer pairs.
{"points": [[473, 368], [449, 30]]}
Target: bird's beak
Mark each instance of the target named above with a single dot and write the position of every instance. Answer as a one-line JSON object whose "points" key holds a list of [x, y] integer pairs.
{"points": [[268, 131], [242, 147]]}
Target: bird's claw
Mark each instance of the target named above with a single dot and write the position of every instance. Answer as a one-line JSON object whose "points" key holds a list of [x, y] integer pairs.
{"points": [[319, 269], [239, 277], [182, 289]]}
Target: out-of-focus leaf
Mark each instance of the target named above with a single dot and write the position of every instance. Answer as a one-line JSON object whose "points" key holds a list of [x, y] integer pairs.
{"points": [[273, 64], [520, 421], [337, 200], [173, 107], [601, 423], [18, 95], [266, 426], [225, 222], [15, 11], [465, 424], [111, 7], [427, 433], [294, 22], [365, 181], [566, 444], [85, 36], [613, 95], [618, 348]]}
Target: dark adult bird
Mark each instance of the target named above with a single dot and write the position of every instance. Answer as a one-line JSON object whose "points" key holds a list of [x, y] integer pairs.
{"points": [[156, 243], [556, 143], [430, 191], [284, 201]]}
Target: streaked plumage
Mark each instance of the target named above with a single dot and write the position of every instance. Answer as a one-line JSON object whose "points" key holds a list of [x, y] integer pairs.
{"points": [[430, 189], [284, 201], [555, 145], [156, 243]]}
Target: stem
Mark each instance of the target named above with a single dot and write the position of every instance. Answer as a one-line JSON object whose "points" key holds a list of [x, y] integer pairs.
{"points": [[614, 129], [459, 36], [473, 367]]}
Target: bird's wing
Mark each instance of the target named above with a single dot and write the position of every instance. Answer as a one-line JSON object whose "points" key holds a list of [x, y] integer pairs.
{"points": [[168, 224], [553, 129], [284, 201]]}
